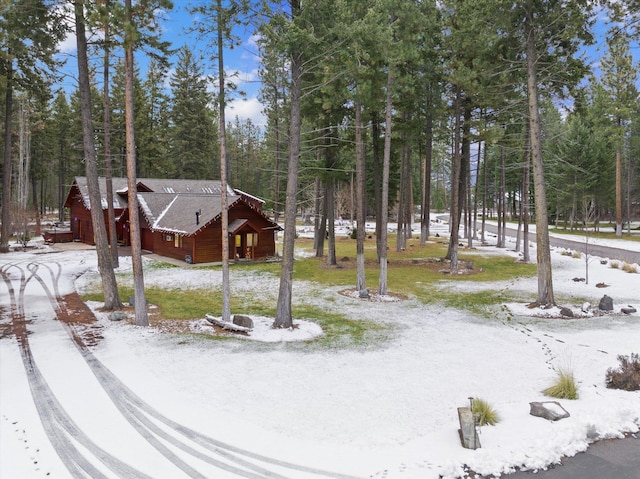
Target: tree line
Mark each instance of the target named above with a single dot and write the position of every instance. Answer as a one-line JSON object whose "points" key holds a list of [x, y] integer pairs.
{"points": [[375, 109]]}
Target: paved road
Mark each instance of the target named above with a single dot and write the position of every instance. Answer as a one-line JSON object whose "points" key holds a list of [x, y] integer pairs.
{"points": [[579, 245], [610, 459]]}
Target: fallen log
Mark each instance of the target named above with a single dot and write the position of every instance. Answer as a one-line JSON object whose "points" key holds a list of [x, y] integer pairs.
{"points": [[226, 325]]}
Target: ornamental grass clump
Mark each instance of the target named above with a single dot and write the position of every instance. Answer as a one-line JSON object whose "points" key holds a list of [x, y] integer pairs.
{"points": [[627, 376], [485, 414], [565, 386]]}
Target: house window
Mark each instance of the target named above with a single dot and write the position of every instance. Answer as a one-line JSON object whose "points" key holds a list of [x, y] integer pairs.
{"points": [[238, 241], [168, 237], [177, 241], [252, 240]]}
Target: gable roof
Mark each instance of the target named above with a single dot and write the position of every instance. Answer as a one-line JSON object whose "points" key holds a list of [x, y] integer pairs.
{"points": [[157, 185], [176, 213], [170, 205]]}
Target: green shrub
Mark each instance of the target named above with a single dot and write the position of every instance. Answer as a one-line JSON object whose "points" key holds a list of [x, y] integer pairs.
{"points": [[484, 412], [565, 386], [627, 376]]}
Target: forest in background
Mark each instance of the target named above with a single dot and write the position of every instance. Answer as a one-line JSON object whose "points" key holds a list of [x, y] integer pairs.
{"points": [[459, 108]]}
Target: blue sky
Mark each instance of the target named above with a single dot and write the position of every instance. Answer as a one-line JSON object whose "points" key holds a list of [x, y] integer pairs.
{"points": [[242, 62]]}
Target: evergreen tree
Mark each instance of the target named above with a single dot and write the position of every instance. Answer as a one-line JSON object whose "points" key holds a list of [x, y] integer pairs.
{"points": [[105, 266], [153, 125], [619, 76], [34, 29], [60, 127], [192, 134]]}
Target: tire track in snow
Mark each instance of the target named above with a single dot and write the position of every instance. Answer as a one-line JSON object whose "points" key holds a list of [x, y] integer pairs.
{"points": [[145, 419], [58, 425]]}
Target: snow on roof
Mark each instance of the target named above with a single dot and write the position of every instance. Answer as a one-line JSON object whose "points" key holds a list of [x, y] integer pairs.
{"points": [[240, 192]]}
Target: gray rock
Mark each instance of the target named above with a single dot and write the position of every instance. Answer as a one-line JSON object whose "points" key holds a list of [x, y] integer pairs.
{"points": [[117, 316], [566, 312], [363, 293], [606, 304], [629, 310], [551, 410], [242, 320]]}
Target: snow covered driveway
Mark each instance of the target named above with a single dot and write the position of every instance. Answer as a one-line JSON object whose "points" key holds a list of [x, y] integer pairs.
{"points": [[141, 402], [96, 425]]}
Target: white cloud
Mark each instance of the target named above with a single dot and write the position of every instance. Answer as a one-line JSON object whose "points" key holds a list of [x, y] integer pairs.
{"points": [[246, 109]]}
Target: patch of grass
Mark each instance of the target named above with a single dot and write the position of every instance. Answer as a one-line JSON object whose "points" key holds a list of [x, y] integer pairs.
{"points": [[339, 331], [159, 265], [485, 413], [414, 272], [629, 268], [627, 376], [564, 387]]}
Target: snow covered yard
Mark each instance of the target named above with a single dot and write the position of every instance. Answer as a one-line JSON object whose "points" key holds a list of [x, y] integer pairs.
{"points": [[385, 410]]}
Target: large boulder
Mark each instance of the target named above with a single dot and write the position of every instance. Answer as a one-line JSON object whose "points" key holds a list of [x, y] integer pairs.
{"points": [[242, 320], [566, 312], [551, 410], [606, 304], [117, 316]]}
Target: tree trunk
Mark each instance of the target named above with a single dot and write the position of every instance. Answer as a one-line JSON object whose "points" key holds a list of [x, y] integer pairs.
{"points": [[454, 212], [5, 227], [476, 187], [545, 283], [384, 198], [525, 195], [377, 182], [485, 182], [319, 218], [141, 317], [224, 207], [105, 266], [113, 234], [401, 239], [283, 317], [361, 286], [331, 222], [276, 179], [425, 212], [619, 190], [501, 202]]}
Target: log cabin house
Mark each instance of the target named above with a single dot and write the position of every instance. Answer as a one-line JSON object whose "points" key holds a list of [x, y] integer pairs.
{"points": [[179, 218]]}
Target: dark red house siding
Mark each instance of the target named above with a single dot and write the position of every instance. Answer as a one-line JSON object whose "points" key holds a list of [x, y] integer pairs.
{"points": [[203, 247]]}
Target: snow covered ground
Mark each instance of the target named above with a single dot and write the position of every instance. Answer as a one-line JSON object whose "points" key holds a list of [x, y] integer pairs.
{"points": [[381, 411]]}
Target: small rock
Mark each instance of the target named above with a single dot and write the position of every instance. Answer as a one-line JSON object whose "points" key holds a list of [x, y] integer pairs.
{"points": [[363, 293], [602, 285], [586, 307], [606, 303], [551, 410], [242, 320], [117, 316], [566, 312], [579, 280], [629, 310]]}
